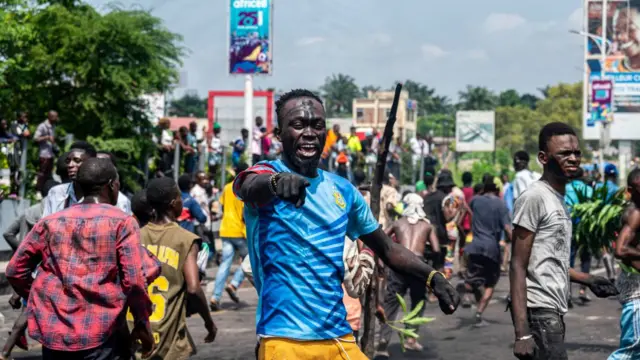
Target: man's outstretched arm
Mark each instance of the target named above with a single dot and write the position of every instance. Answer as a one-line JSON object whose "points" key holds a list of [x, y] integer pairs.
{"points": [[261, 184], [400, 259]]}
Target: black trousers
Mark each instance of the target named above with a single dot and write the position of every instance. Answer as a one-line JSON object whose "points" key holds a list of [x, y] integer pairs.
{"points": [[116, 348], [547, 328], [399, 284]]}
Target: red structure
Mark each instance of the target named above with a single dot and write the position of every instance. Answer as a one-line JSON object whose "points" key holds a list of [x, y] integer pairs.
{"points": [[256, 94]]}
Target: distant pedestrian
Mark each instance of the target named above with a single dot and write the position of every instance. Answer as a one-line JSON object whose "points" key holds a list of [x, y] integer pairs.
{"points": [[45, 137]]}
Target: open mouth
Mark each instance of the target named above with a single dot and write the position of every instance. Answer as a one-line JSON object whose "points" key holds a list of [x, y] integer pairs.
{"points": [[307, 150]]}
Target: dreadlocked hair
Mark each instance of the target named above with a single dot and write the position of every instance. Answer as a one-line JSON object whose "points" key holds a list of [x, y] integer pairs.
{"points": [[293, 94], [160, 193]]}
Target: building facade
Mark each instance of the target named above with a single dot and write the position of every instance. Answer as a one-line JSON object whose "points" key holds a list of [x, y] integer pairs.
{"points": [[372, 112]]}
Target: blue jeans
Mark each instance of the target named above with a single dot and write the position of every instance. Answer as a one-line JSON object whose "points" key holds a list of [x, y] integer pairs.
{"points": [[229, 248], [629, 332]]}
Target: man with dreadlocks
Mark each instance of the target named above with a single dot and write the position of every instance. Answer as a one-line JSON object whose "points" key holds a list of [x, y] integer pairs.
{"points": [[413, 231], [177, 249], [297, 217]]}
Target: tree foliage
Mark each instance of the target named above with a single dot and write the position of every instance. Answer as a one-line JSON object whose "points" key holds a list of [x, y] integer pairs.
{"points": [[189, 105], [338, 91], [477, 98], [90, 67]]}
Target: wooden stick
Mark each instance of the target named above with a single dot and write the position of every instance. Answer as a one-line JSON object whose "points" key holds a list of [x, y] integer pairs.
{"points": [[371, 296]]}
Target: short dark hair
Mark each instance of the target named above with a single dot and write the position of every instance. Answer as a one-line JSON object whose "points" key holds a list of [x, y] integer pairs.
{"points": [[160, 193], [478, 188], [359, 176], [47, 186], [112, 157], [293, 94], [93, 174], [83, 145], [521, 155], [140, 207], [185, 182], [241, 167], [488, 185], [553, 129], [633, 176], [467, 178]]}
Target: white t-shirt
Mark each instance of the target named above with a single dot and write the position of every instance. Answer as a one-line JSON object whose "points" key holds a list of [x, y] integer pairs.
{"points": [[523, 179]]}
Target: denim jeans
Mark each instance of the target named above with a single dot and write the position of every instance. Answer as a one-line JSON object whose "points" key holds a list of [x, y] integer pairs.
{"points": [[547, 328], [629, 332], [229, 248]]}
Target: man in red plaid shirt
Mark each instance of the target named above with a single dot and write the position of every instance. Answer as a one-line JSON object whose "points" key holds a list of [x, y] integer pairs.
{"points": [[93, 267]]}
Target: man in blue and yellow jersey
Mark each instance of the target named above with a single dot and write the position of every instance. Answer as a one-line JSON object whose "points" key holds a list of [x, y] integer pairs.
{"points": [[297, 217]]}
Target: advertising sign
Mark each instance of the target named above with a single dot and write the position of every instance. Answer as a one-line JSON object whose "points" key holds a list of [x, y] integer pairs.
{"points": [[601, 102], [621, 65], [475, 131], [250, 36]]}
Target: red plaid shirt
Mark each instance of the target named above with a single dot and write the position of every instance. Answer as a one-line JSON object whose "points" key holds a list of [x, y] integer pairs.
{"points": [[93, 267]]}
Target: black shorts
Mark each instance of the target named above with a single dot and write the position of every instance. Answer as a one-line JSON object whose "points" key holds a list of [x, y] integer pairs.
{"points": [[481, 271]]}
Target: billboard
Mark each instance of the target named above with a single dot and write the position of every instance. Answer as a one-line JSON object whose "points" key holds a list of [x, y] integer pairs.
{"points": [[601, 101], [250, 36], [621, 65], [475, 131]]}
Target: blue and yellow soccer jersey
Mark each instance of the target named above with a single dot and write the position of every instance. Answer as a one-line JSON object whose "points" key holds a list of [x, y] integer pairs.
{"points": [[296, 255]]}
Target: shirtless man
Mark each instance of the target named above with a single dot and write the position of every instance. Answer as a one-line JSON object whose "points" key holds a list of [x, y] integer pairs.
{"points": [[414, 232], [628, 283]]}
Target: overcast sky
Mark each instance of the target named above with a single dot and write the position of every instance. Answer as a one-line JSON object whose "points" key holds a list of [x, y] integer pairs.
{"points": [[448, 44]]}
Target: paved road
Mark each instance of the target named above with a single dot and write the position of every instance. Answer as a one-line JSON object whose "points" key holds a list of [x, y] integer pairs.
{"points": [[592, 332]]}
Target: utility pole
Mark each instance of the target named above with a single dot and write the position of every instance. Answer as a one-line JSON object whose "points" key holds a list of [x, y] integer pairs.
{"points": [[604, 129]]}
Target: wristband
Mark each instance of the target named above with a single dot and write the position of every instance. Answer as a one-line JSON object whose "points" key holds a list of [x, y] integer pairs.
{"points": [[526, 337], [273, 182], [430, 278]]}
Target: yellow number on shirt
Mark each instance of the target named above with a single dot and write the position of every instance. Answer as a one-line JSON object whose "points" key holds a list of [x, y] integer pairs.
{"points": [[161, 284]]}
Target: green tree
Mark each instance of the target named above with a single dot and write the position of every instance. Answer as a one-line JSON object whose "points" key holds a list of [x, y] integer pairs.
{"points": [[563, 102], [91, 67], [477, 98], [438, 124], [365, 90], [517, 128], [189, 105], [529, 100], [509, 98], [428, 101], [338, 92]]}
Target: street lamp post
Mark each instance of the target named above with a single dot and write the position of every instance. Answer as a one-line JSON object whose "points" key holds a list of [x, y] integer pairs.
{"points": [[605, 47]]}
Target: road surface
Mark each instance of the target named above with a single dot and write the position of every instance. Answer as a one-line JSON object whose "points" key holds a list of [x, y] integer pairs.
{"points": [[592, 332]]}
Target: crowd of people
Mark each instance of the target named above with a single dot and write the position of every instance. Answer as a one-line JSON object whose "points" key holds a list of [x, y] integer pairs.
{"points": [[102, 275]]}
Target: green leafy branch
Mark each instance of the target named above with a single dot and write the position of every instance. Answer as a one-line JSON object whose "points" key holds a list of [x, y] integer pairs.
{"points": [[409, 319], [597, 218]]}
